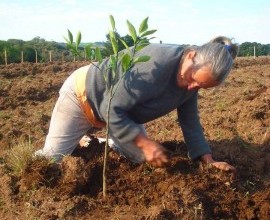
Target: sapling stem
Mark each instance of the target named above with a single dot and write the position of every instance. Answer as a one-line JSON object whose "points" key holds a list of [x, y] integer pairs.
{"points": [[106, 150]]}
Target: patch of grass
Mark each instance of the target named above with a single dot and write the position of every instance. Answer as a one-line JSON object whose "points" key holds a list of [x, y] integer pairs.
{"points": [[4, 115], [219, 134], [19, 157], [2, 202], [221, 106]]}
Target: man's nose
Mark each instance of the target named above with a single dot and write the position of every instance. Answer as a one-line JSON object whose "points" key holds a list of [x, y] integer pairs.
{"points": [[193, 85]]}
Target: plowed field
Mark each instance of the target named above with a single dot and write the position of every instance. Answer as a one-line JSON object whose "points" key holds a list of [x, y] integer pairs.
{"points": [[236, 122]]}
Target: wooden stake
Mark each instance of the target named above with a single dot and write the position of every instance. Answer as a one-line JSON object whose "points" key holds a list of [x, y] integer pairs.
{"points": [[6, 57], [36, 56], [50, 53], [22, 56]]}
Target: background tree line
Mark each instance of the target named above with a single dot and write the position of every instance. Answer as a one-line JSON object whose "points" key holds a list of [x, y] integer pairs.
{"points": [[247, 49], [40, 50]]}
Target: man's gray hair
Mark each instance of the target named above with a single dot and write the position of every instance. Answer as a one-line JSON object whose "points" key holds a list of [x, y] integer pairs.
{"points": [[219, 54]]}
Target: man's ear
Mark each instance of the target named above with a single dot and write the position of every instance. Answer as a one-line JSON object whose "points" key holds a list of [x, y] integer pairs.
{"points": [[191, 54]]}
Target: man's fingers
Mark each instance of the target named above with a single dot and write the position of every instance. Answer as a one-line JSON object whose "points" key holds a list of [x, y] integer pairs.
{"points": [[157, 156], [160, 161], [224, 166], [221, 166]]}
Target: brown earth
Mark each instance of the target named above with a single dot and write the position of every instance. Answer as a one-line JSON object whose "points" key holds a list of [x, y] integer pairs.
{"points": [[235, 118]]}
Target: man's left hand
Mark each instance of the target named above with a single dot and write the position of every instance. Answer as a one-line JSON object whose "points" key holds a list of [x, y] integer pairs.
{"points": [[208, 159]]}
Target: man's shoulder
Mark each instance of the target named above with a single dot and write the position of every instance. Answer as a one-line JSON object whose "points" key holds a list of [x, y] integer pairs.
{"points": [[163, 47], [164, 51]]}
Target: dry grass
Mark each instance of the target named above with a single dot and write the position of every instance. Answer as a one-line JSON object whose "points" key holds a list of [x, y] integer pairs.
{"points": [[19, 157]]}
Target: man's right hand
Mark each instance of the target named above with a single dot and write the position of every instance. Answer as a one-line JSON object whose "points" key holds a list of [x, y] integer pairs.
{"points": [[155, 154]]}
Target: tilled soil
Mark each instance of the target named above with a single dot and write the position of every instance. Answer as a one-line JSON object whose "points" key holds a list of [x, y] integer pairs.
{"points": [[235, 118]]}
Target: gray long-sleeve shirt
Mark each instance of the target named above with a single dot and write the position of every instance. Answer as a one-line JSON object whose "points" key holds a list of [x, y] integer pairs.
{"points": [[148, 91]]}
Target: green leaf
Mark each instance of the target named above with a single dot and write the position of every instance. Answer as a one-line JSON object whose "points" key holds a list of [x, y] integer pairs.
{"points": [[126, 62], [112, 34], [141, 46], [132, 31], [78, 39], [140, 59], [66, 40], [113, 42], [143, 25], [151, 38], [98, 55], [69, 46], [114, 45], [74, 50], [88, 51], [106, 80], [113, 63], [70, 36], [124, 43], [112, 22], [146, 33]]}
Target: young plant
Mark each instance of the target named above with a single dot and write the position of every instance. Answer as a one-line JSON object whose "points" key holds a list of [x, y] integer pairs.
{"points": [[91, 53], [126, 60], [73, 46]]}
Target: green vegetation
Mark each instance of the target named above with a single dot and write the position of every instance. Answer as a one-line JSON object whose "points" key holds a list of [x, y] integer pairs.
{"points": [[74, 46], [20, 156], [29, 51], [40, 49], [247, 49]]}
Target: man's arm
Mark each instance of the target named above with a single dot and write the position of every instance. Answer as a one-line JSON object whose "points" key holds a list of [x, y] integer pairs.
{"points": [[198, 148], [189, 121]]}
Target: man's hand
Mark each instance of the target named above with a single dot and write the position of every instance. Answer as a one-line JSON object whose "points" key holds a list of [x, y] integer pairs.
{"points": [[155, 154], [84, 142], [207, 158]]}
